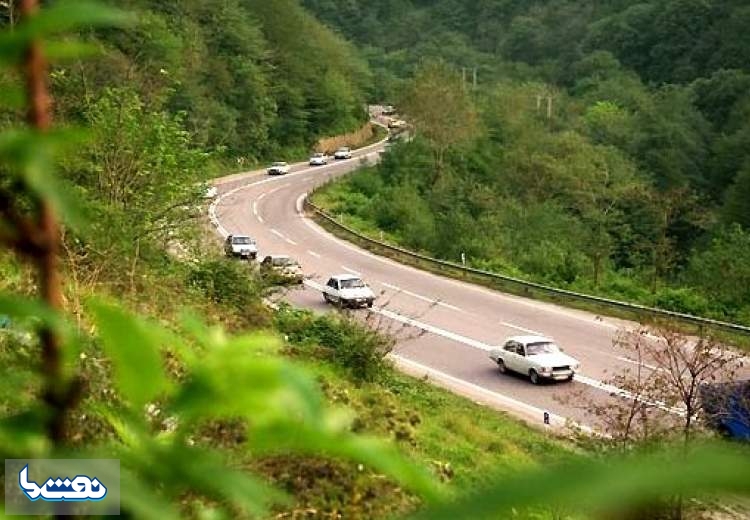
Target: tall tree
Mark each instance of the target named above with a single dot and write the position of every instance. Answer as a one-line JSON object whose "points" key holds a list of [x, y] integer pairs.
{"points": [[439, 105]]}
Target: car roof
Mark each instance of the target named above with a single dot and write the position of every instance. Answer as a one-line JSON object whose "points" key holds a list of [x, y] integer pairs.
{"points": [[347, 276], [530, 339], [343, 147], [239, 236]]}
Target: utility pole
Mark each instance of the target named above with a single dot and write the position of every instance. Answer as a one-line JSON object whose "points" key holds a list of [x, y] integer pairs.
{"points": [[538, 103], [475, 78], [549, 107], [463, 77]]}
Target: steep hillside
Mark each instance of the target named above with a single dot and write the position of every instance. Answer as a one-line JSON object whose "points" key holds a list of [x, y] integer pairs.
{"points": [[251, 79], [612, 150]]}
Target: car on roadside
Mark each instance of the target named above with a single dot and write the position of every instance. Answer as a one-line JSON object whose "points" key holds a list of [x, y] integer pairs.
{"points": [[395, 124], [283, 266], [278, 168], [388, 110], [537, 357], [318, 159], [348, 290], [343, 153], [726, 407], [241, 246]]}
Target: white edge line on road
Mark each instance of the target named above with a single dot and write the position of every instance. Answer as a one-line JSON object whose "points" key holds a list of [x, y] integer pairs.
{"points": [[594, 383], [313, 253], [420, 297], [522, 329], [278, 234], [634, 362], [349, 269], [299, 202], [260, 219]]}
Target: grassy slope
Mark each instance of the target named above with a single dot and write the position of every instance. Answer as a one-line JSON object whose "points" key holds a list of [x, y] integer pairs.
{"points": [[460, 441]]}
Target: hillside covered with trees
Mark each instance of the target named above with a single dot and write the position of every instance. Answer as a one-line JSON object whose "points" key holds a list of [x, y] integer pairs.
{"points": [[606, 147]]}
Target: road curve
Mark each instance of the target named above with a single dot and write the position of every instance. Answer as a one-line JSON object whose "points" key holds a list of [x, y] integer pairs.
{"points": [[444, 326]]}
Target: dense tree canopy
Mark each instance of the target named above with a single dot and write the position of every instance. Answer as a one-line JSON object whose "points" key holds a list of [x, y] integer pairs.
{"points": [[614, 144]]}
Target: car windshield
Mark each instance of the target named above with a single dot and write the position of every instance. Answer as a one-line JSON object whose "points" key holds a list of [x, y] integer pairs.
{"points": [[318, 154], [533, 349], [279, 164], [354, 283], [343, 149], [242, 240]]}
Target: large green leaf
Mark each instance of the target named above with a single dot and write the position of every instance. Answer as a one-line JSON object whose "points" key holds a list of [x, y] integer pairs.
{"points": [[132, 345], [31, 155], [620, 481], [235, 380], [61, 17]]}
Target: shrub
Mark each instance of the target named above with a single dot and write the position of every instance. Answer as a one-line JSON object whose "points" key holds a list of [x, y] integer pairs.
{"points": [[682, 299], [226, 282], [345, 341]]}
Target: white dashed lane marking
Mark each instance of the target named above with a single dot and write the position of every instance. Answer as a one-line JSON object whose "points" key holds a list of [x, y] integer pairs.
{"points": [[349, 269], [420, 297]]}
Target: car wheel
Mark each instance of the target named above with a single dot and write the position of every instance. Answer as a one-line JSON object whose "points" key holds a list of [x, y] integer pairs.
{"points": [[369, 304], [570, 378], [326, 298], [501, 366], [533, 377]]}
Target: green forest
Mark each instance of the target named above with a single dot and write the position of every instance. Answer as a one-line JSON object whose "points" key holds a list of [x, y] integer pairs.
{"points": [[605, 149]]}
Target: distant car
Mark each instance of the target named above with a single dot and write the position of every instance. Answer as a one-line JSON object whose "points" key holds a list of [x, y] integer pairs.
{"points": [[396, 123], [347, 290], [388, 110], [284, 266], [210, 192], [537, 357], [278, 168], [318, 159], [242, 246], [343, 153]]}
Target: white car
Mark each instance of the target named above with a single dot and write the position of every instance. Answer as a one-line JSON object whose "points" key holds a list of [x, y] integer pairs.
{"points": [[211, 192], [536, 357], [347, 290], [318, 159], [242, 246], [343, 153], [278, 168]]}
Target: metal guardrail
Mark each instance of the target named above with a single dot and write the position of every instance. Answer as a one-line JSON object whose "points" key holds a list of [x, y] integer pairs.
{"points": [[635, 308]]}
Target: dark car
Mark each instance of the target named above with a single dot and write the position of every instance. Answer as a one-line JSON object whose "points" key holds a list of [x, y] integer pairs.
{"points": [[727, 408]]}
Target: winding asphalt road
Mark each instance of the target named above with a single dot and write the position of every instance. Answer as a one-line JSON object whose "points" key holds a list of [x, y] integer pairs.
{"points": [[444, 326]]}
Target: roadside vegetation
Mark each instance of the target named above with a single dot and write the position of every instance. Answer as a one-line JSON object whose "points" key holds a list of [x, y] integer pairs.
{"points": [[612, 191], [124, 336]]}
